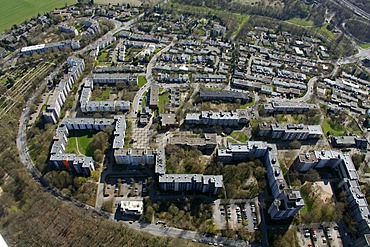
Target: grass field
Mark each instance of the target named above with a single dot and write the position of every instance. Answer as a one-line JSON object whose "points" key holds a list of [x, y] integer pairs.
{"points": [[365, 46], [83, 138], [240, 136], [163, 99], [326, 127], [15, 12], [141, 80], [301, 22]]}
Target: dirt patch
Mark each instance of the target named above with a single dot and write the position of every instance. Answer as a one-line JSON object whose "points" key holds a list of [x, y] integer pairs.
{"points": [[322, 191]]}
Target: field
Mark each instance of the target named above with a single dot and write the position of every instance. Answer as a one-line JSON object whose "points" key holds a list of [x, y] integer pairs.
{"points": [[141, 80], [326, 127], [365, 46], [15, 12], [239, 136], [164, 98], [301, 22]]}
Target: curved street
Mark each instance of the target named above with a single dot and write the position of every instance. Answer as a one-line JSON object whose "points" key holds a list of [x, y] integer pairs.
{"points": [[26, 160]]}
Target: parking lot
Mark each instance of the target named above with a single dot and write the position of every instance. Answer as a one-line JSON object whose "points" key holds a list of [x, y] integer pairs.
{"points": [[320, 235], [236, 215], [125, 187]]}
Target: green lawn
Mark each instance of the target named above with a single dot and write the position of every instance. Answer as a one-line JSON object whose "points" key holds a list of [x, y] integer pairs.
{"points": [[242, 20], [240, 136], [15, 12], [301, 22], [103, 57], [365, 46], [309, 24], [141, 80], [324, 31], [83, 138], [326, 127], [164, 98], [104, 95]]}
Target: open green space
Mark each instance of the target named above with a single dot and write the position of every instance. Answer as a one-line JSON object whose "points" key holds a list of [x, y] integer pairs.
{"points": [[163, 99], [239, 136], [79, 141], [15, 12], [365, 45], [141, 80], [328, 127], [326, 32], [310, 25], [301, 22], [103, 56]]}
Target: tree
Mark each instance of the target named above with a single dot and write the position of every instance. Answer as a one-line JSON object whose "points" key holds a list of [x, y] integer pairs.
{"points": [[295, 144], [357, 160], [312, 176]]}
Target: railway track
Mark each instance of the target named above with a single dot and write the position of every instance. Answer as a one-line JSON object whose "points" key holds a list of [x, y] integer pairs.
{"points": [[16, 95]]}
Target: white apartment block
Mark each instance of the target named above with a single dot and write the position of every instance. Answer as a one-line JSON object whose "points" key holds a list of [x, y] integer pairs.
{"points": [[58, 97], [287, 202], [343, 165], [99, 106]]}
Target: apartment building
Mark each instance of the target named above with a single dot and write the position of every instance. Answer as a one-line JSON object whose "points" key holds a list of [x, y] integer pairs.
{"points": [[191, 182], [290, 131], [224, 95], [105, 78], [45, 47], [349, 141], [119, 133], [68, 29], [60, 93], [185, 182], [82, 165], [288, 107], [99, 106], [218, 118], [209, 78], [134, 156], [287, 202], [343, 165]]}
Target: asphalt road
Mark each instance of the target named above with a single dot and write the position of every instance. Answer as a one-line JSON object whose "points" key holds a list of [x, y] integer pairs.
{"points": [[26, 160], [149, 78]]}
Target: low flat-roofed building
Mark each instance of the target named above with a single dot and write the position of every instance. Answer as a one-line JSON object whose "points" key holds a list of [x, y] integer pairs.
{"points": [[168, 120], [153, 97], [192, 140], [349, 141], [132, 207]]}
